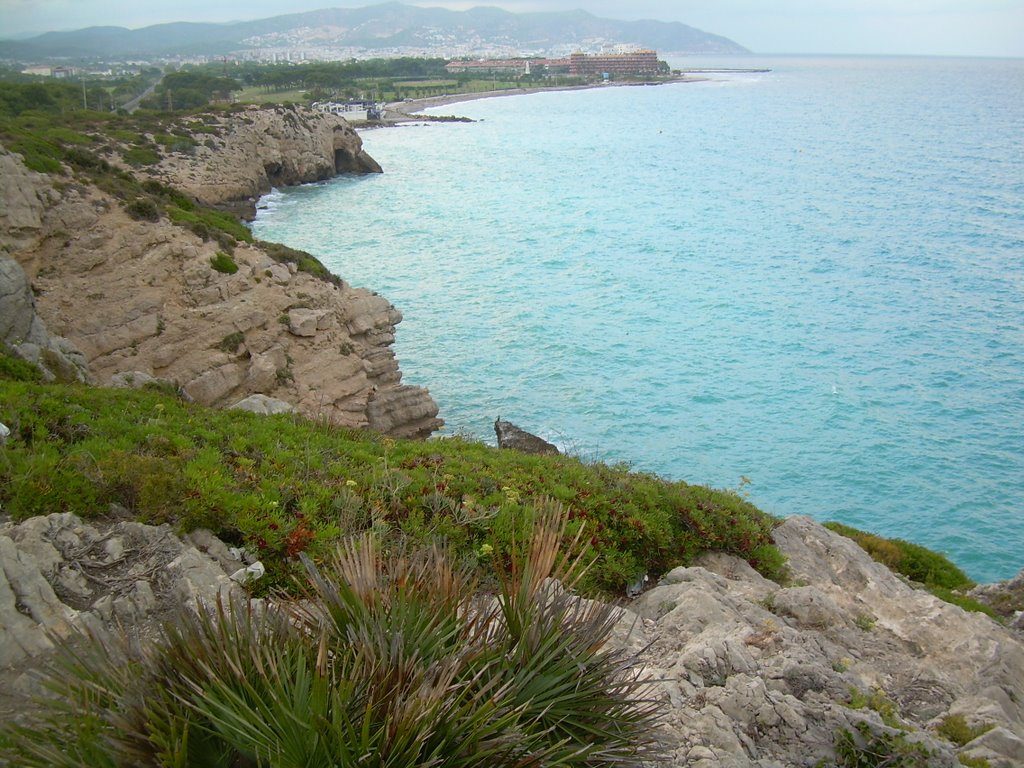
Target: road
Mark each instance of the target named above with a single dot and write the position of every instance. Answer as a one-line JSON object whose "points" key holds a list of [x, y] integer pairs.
{"points": [[131, 106]]}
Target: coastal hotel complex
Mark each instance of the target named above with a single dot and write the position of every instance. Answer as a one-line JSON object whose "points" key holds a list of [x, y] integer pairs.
{"points": [[634, 63]]}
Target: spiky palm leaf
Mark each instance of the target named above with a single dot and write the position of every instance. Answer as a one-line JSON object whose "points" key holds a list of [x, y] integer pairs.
{"points": [[389, 661]]}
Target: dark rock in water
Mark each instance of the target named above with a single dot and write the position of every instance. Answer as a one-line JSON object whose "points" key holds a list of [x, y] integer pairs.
{"points": [[511, 436]]}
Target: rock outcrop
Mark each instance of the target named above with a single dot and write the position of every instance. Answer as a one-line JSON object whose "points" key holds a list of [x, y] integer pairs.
{"points": [[750, 674], [24, 334], [243, 155], [60, 577], [755, 674], [512, 437], [144, 296]]}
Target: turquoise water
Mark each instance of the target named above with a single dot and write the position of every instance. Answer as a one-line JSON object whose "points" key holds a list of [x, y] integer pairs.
{"points": [[812, 279]]}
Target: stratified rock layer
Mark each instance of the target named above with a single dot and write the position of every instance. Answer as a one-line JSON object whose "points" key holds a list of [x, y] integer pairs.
{"points": [[140, 296]]}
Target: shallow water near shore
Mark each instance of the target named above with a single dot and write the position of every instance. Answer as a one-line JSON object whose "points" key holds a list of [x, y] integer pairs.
{"points": [[812, 279]]}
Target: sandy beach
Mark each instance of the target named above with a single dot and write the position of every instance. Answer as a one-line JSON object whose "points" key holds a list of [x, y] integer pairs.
{"points": [[407, 111]]}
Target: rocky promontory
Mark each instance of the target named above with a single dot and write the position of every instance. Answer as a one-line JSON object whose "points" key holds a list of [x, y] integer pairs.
{"points": [[243, 154], [141, 296]]}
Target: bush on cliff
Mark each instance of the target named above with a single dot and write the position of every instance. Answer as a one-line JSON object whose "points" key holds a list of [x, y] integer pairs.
{"points": [[392, 660], [284, 485]]}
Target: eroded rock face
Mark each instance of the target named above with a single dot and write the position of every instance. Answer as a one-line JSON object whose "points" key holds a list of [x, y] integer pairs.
{"points": [[248, 153], [24, 334], [142, 298], [755, 674], [60, 577]]}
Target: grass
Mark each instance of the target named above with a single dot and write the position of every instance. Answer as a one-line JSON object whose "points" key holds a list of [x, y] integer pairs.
{"points": [[390, 660], [877, 701], [268, 482], [258, 94], [224, 264], [866, 749], [954, 728], [912, 560]]}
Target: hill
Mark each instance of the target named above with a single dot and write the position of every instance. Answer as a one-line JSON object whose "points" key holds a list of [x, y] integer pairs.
{"points": [[376, 27]]}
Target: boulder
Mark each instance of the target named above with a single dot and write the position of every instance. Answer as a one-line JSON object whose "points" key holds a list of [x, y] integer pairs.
{"points": [[263, 405], [511, 436]]}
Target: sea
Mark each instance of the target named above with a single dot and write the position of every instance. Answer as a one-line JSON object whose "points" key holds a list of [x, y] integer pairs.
{"points": [[806, 284]]}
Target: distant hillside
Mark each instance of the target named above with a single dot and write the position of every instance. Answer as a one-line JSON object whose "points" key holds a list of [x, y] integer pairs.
{"points": [[391, 25]]}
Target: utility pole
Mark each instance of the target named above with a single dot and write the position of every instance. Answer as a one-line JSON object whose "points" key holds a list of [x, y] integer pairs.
{"points": [[85, 102]]}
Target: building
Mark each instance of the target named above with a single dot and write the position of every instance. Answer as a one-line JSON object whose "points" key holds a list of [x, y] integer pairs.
{"points": [[510, 67], [513, 67], [635, 63]]}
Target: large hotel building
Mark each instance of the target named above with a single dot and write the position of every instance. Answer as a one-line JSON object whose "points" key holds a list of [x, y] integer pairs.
{"points": [[636, 63]]}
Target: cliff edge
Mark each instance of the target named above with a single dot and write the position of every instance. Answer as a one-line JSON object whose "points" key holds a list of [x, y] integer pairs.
{"points": [[241, 155], [149, 292]]}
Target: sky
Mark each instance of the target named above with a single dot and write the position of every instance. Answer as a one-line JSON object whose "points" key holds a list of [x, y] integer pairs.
{"points": [[913, 27]]}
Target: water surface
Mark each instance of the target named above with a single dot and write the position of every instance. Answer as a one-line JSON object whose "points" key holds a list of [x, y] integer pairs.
{"points": [[813, 279]]}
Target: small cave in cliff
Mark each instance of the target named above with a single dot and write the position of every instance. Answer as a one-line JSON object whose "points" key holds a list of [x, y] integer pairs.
{"points": [[345, 161], [275, 174]]}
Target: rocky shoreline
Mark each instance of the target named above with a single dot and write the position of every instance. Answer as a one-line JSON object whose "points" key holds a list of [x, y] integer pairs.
{"points": [[131, 299]]}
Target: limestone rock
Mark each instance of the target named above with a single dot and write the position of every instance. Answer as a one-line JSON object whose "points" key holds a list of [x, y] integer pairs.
{"points": [[263, 405], [141, 299], [264, 148], [137, 573], [511, 436], [24, 333], [755, 674]]}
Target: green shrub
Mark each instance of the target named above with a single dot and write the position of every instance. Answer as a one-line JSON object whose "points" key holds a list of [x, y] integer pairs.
{"points": [[865, 749], [223, 263], [231, 342], [249, 477], [39, 155], [16, 369], [207, 222], [141, 156], [303, 261], [954, 728], [878, 701], [398, 657], [143, 209]]}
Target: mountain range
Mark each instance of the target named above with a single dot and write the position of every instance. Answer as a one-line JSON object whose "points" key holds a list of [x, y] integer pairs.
{"points": [[387, 26]]}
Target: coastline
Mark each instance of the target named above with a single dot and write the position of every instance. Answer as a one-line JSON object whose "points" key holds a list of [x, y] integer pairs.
{"points": [[406, 111]]}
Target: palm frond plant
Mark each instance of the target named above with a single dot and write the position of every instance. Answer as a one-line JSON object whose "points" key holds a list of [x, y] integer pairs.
{"points": [[388, 660]]}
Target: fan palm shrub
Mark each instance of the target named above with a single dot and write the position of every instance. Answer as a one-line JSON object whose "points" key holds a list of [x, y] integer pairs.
{"points": [[389, 660]]}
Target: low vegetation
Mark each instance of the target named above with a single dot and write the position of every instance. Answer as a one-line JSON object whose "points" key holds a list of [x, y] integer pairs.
{"points": [[223, 263], [392, 660], [954, 728], [865, 748], [283, 485]]}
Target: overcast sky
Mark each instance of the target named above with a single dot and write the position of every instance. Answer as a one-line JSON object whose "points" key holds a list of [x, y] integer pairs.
{"points": [[950, 27]]}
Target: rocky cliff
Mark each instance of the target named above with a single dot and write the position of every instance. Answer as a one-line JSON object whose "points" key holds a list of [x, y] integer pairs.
{"points": [[243, 154], [143, 297]]}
